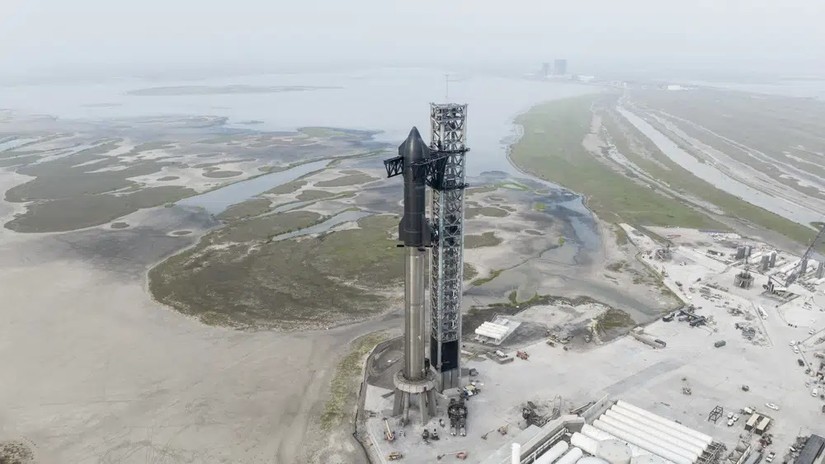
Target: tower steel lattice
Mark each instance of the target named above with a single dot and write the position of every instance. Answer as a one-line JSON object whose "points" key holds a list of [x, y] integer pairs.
{"points": [[448, 143]]}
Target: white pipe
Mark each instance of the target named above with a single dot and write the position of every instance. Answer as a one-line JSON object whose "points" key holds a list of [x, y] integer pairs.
{"points": [[516, 454], [668, 422], [645, 423]]}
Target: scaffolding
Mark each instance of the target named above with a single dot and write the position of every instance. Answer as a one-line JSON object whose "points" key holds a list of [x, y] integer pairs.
{"points": [[448, 142]]}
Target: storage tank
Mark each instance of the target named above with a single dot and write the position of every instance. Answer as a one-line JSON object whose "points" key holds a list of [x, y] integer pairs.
{"points": [[679, 427], [614, 452], [591, 460], [553, 453], [587, 444], [599, 435], [667, 428], [659, 433], [594, 433], [570, 457], [643, 422], [642, 443], [648, 459], [667, 444]]}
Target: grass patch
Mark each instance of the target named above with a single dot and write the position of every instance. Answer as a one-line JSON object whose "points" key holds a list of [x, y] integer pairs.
{"points": [[539, 206], [613, 320], [483, 280], [245, 209], [312, 282], [221, 174], [343, 387], [308, 195], [347, 180], [289, 187], [659, 166], [551, 148], [470, 271], [487, 239], [621, 235]]}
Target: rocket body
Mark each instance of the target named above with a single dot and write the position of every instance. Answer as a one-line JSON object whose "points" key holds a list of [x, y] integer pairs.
{"points": [[414, 231]]}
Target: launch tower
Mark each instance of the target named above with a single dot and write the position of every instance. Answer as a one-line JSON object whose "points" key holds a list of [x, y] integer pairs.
{"points": [[448, 145]]}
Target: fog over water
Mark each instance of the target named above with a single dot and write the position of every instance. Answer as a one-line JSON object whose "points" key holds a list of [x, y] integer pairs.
{"points": [[388, 100]]}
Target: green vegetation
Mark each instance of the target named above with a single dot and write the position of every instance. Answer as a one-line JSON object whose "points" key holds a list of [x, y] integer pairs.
{"points": [[168, 178], [119, 225], [218, 174], [491, 211], [311, 195], [470, 271], [289, 187], [288, 284], [539, 206], [266, 227], [612, 321], [343, 389], [487, 239], [82, 211], [483, 280], [551, 148], [621, 235], [561, 241], [347, 180], [246, 209], [659, 166]]}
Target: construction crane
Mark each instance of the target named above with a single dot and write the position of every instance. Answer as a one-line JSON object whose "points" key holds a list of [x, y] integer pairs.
{"points": [[800, 267]]}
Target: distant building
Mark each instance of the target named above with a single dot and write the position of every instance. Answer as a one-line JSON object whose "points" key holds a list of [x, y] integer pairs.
{"points": [[560, 67], [545, 70]]}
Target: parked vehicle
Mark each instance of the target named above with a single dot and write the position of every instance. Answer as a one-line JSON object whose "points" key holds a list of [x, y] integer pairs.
{"points": [[772, 406]]}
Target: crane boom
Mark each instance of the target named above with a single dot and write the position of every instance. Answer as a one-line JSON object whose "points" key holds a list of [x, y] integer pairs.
{"points": [[797, 270]]}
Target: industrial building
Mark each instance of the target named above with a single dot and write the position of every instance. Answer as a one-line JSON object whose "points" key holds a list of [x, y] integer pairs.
{"points": [[621, 434], [811, 451]]}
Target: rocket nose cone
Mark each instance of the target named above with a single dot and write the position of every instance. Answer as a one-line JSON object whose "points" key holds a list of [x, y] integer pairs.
{"points": [[413, 148]]}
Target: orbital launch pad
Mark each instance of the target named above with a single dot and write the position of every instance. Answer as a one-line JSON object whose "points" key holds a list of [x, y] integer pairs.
{"points": [[439, 166]]}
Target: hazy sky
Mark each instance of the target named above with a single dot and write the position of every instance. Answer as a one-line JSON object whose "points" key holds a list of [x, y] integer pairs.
{"points": [[54, 33]]}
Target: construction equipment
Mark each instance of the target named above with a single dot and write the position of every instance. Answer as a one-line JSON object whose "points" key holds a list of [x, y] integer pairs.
{"points": [[522, 355], [503, 430], [775, 286], [389, 435], [395, 456], [462, 455], [457, 412]]}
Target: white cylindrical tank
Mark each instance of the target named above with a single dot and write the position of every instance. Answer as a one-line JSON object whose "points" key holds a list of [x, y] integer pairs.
{"points": [[642, 443], [515, 457], [570, 457], [650, 438], [654, 434], [614, 451], [587, 444], [668, 422], [594, 433], [553, 453], [599, 435], [591, 460], [618, 412], [648, 459]]}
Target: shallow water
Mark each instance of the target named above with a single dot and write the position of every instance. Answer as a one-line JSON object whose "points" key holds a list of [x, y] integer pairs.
{"points": [[216, 201], [717, 178]]}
